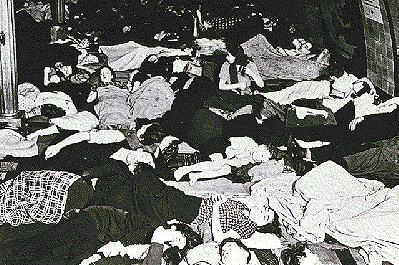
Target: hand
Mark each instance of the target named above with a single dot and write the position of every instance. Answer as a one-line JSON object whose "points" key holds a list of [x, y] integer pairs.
{"points": [[111, 249], [51, 151], [354, 122], [193, 179], [126, 29], [248, 71], [218, 199], [159, 235]]}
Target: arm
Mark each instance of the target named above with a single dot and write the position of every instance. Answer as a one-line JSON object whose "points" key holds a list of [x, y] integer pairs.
{"points": [[195, 176], [199, 167], [217, 232], [46, 131], [224, 86], [73, 139]]}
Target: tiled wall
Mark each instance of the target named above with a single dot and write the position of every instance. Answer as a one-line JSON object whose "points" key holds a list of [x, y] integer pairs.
{"points": [[379, 52]]}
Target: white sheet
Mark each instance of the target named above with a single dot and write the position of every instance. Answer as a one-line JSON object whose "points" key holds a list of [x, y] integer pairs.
{"points": [[357, 212], [301, 90]]}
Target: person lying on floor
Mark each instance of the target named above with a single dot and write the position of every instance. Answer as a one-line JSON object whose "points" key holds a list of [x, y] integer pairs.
{"points": [[348, 139], [225, 251], [143, 193], [359, 122], [242, 151], [76, 238], [232, 251]]}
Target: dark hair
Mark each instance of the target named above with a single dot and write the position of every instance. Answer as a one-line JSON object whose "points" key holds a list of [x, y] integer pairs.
{"points": [[366, 89], [174, 255], [109, 68], [181, 81], [238, 242], [291, 255], [153, 134], [140, 77], [237, 51]]}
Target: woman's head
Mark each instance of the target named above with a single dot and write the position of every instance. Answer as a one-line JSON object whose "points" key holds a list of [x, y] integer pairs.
{"points": [[107, 75], [233, 252], [299, 254], [235, 54], [183, 238], [136, 79], [293, 253], [261, 215]]}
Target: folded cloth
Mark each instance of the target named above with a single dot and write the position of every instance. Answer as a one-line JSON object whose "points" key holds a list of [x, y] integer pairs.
{"points": [[14, 144], [81, 121]]}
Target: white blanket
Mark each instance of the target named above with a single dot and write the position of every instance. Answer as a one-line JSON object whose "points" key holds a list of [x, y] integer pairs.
{"points": [[357, 212], [130, 55]]}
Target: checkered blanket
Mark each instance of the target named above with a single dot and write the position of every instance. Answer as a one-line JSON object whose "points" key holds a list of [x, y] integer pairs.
{"points": [[35, 196], [234, 215]]}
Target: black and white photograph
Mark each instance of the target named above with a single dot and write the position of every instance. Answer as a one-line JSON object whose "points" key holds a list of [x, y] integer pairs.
{"points": [[199, 132]]}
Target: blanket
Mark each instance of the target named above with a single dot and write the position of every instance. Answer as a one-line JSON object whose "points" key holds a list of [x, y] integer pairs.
{"points": [[35, 196], [274, 65], [131, 55], [328, 200]]}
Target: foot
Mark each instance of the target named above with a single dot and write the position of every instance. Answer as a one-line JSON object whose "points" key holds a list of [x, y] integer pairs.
{"points": [[294, 149]]}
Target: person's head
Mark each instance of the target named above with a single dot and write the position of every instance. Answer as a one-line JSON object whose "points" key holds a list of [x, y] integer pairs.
{"points": [[136, 79], [183, 238], [299, 254], [107, 75], [235, 54], [363, 86], [233, 252], [261, 215]]}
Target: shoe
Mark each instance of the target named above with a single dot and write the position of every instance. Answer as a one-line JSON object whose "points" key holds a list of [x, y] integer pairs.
{"points": [[294, 149], [276, 153], [301, 166]]}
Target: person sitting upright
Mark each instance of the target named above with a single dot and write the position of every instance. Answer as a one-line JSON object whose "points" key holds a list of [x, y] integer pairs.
{"points": [[238, 72]]}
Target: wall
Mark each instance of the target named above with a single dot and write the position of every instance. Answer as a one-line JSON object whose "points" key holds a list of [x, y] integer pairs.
{"points": [[394, 11], [379, 47]]}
